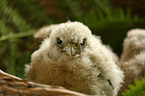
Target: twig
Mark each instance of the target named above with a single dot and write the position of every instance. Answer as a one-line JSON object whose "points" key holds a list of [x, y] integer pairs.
{"points": [[12, 85]]}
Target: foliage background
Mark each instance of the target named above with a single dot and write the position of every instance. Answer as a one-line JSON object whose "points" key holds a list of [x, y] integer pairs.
{"points": [[138, 89], [19, 20]]}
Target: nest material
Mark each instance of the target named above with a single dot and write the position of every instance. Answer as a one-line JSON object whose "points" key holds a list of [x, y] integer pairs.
{"points": [[13, 86]]}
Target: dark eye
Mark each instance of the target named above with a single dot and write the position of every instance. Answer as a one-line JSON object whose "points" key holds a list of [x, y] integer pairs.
{"points": [[59, 41], [84, 41]]}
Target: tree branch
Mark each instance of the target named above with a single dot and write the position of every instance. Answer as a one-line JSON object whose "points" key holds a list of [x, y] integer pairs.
{"points": [[12, 85]]}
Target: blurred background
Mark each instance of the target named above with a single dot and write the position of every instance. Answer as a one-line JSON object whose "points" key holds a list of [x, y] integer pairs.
{"points": [[20, 19]]}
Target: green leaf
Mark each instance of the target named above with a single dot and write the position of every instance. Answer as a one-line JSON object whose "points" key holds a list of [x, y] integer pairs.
{"points": [[136, 90]]}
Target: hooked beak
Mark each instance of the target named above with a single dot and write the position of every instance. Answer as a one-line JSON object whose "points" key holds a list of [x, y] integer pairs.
{"points": [[70, 49]]}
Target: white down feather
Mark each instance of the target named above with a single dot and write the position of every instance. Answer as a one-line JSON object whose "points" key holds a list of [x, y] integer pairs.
{"points": [[94, 72]]}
